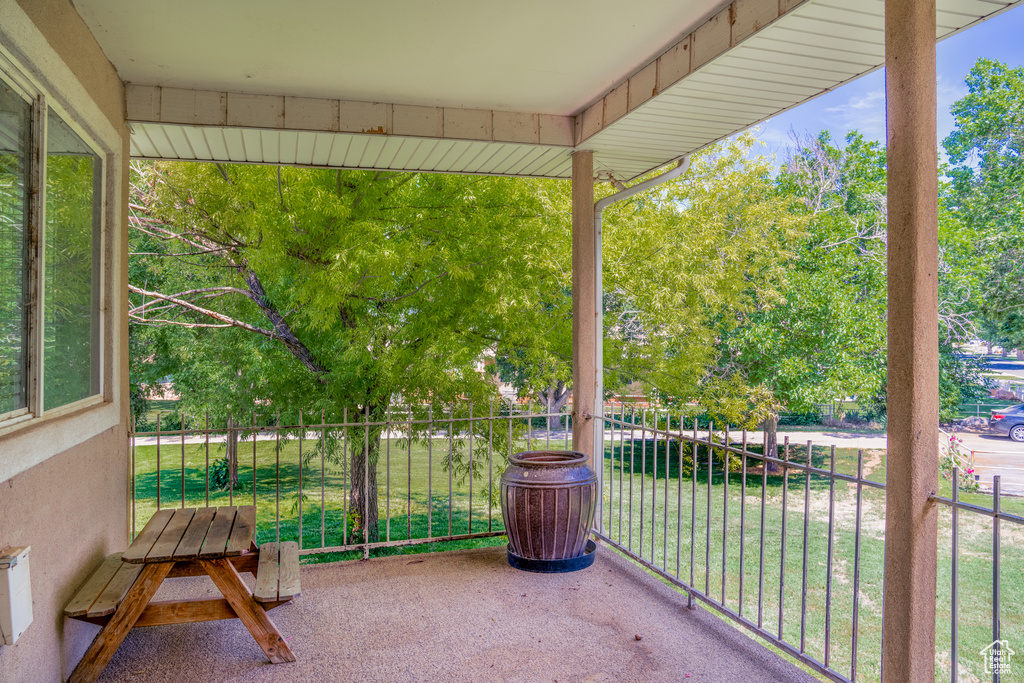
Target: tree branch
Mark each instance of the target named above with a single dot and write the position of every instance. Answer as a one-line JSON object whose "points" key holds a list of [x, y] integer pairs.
{"points": [[232, 322]]}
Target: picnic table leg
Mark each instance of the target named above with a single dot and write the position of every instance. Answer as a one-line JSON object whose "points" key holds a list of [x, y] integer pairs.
{"points": [[114, 632], [252, 614]]}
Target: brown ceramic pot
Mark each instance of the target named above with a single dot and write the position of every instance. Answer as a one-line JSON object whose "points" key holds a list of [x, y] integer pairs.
{"points": [[548, 499]]}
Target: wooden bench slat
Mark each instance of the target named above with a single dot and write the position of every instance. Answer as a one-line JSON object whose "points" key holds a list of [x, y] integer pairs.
{"points": [[165, 546], [267, 573], [277, 575], [217, 537], [288, 574], [192, 541], [142, 544], [242, 530], [115, 590], [94, 585]]}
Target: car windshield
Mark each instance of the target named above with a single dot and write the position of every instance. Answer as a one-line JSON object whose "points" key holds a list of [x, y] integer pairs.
{"points": [[1013, 409]]}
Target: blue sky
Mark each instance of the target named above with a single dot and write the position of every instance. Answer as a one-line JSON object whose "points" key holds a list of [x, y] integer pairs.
{"points": [[860, 105]]}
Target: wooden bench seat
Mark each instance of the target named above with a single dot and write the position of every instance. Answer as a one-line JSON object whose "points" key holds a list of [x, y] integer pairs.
{"points": [[277, 574], [105, 589]]}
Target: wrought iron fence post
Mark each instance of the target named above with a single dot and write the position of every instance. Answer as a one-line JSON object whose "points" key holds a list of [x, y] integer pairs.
{"points": [[366, 483]]}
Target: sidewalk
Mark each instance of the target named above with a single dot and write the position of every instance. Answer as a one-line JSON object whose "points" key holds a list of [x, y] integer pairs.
{"points": [[992, 454]]}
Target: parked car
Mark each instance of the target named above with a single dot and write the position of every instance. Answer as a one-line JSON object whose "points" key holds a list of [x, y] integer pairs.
{"points": [[1009, 422]]}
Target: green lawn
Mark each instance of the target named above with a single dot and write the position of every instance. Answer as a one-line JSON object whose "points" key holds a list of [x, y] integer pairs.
{"points": [[418, 497], [659, 493]]}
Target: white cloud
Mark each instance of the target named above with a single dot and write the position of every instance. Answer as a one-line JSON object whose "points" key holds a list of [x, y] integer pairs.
{"points": [[869, 101], [864, 112]]}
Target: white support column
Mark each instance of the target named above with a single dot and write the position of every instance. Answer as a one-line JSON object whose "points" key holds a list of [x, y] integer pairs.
{"points": [[586, 364], [911, 520]]}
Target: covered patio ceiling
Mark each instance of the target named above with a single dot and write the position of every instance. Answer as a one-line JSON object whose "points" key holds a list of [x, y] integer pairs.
{"points": [[507, 88]]}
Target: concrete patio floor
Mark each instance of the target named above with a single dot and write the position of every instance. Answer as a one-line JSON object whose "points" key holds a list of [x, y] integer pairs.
{"points": [[460, 616]]}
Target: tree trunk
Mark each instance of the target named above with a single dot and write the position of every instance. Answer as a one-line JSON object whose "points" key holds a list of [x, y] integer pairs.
{"points": [[1020, 354], [364, 448], [989, 344], [555, 397], [1002, 352], [232, 453], [771, 442], [363, 492]]}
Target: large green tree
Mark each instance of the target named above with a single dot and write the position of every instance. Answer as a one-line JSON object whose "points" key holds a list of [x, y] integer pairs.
{"points": [[679, 260], [688, 260], [986, 155], [821, 335], [337, 291]]}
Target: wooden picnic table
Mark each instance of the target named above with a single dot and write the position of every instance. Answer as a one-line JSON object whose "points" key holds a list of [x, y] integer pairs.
{"points": [[217, 542]]}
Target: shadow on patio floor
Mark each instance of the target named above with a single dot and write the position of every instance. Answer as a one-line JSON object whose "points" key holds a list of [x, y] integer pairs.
{"points": [[460, 616]]}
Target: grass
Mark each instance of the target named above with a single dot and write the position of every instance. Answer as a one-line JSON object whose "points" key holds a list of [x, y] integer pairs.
{"points": [[671, 501], [156, 408], [424, 501]]}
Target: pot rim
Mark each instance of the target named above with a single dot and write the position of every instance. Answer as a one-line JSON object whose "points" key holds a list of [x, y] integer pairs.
{"points": [[549, 459]]}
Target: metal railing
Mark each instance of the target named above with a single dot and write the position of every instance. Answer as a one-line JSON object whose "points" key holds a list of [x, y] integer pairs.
{"points": [[788, 546], [994, 657], [984, 409], [433, 478], [951, 446], [795, 555]]}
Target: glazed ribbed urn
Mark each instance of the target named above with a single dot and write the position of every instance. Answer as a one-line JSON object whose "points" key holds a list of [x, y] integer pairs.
{"points": [[548, 499]]}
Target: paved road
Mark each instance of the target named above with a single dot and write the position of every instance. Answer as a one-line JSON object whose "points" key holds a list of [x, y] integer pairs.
{"points": [[992, 454], [996, 455], [1007, 366], [826, 438]]}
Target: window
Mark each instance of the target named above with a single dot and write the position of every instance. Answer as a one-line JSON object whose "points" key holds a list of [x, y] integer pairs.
{"points": [[15, 124], [50, 257], [71, 276]]}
